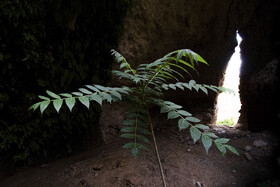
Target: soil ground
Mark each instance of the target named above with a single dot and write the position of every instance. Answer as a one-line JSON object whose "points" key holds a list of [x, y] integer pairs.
{"points": [[185, 164]]}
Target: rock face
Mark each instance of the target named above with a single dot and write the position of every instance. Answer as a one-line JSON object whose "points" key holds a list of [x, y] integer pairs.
{"points": [[110, 121], [156, 27], [261, 97], [259, 79]]}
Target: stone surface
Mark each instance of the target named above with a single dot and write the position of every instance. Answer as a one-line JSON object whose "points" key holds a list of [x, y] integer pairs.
{"points": [[259, 84], [97, 167], [262, 92], [110, 121], [158, 27], [247, 148], [259, 143], [247, 156]]}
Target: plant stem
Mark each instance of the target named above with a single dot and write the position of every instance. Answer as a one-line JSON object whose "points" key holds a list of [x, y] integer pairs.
{"points": [[156, 150]]}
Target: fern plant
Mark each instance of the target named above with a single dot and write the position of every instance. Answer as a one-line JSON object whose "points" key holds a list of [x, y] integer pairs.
{"points": [[149, 83]]}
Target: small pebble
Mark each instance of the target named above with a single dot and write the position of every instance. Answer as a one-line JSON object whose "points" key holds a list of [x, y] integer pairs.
{"points": [[44, 165], [190, 142], [233, 171], [259, 143], [83, 182], [247, 148], [247, 156], [248, 135], [120, 164], [98, 167]]}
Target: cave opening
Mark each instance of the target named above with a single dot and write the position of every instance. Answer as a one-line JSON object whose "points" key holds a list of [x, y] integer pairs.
{"points": [[228, 105]]}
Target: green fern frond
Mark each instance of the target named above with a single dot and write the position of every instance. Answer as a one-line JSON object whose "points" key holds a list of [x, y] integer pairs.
{"points": [[186, 120], [95, 93]]}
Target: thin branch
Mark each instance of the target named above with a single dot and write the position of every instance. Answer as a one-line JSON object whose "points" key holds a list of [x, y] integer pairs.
{"points": [[156, 150]]}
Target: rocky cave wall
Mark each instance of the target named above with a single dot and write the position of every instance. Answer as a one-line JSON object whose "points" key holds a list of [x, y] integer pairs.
{"points": [[156, 27], [259, 76]]}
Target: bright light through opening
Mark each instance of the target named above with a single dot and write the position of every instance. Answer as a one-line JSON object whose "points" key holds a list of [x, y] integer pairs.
{"points": [[229, 104]]}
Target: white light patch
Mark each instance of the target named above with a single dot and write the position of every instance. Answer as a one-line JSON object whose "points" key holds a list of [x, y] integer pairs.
{"points": [[229, 104]]}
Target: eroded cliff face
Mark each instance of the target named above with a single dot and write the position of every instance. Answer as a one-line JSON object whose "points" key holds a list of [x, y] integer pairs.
{"points": [[156, 27]]}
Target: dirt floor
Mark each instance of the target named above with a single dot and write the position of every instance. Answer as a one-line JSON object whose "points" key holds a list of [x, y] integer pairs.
{"points": [[185, 164]]}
